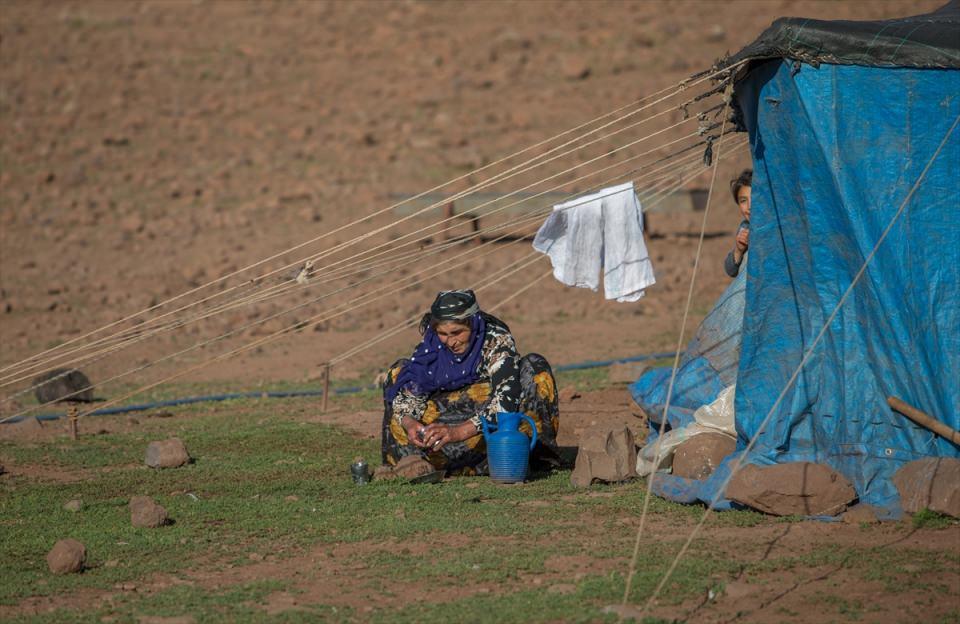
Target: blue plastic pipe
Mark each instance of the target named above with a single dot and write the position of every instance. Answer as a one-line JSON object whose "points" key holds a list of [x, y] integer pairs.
{"points": [[140, 407]]}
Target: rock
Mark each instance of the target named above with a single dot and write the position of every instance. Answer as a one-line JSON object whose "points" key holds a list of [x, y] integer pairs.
{"points": [[796, 488], [625, 372], [63, 384], [738, 590], [716, 33], [606, 454], [861, 514], [73, 505], [574, 68], [146, 513], [930, 483], [412, 466], [167, 454], [699, 456], [132, 224], [66, 557], [382, 473]]}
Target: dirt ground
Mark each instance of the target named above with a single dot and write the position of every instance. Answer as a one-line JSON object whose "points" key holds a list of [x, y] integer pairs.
{"points": [[149, 147]]}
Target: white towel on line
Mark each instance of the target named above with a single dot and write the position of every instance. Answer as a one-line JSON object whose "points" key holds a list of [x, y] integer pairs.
{"points": [[599, 231]]}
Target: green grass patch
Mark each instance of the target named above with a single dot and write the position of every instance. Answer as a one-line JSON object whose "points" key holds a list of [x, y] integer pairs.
{"points": [[927, 519], [270, 483]]}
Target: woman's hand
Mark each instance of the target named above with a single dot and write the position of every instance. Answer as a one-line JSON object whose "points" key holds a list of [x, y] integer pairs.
{"points": [[438, 435], [416, 432]]}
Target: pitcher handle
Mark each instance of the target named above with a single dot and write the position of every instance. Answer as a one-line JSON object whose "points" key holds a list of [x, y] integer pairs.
{"points": [[533, 430], [484, 427]]}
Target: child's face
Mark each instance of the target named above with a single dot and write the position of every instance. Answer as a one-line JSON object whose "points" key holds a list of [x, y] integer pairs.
{"points": [[743, 201]]}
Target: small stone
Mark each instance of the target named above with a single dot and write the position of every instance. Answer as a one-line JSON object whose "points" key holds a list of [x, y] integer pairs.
{"points": [[575, 68], [167, 454], [146, 513], [74, 505], [412, 466], [255, 557], [930, 483], [737, 590], [472, 485], [861, 514], [111, 563], [66, 557], [716, 33], [291, 498], [384, 472]]}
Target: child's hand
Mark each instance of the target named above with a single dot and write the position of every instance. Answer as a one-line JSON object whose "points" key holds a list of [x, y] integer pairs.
{"points": [[743, 240]]}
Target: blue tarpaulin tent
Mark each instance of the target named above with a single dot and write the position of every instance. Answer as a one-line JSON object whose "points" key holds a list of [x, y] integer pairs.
{"points": [[838, 141]]}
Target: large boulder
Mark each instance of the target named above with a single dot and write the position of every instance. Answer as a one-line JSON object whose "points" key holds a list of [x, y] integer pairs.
{"points": [[63, 384], [167, 454], [606, 454], [699, 456], [146, 513], [66, 557], [930, 483], [792, 489]]}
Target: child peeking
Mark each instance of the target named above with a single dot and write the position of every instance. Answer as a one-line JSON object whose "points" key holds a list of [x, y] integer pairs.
{"points": [[740, 187]]}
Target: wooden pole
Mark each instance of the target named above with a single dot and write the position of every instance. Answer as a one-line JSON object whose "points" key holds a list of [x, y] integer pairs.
{"points": [[924, 420], [326, 386], [448, 212], [73, 418]]}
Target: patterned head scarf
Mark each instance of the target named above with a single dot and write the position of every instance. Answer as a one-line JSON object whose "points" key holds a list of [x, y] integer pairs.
{"points": [[432, 366], [454, 305]]}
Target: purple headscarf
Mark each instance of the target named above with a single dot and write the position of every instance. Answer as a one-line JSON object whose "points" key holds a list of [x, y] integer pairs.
{"points": [[433, 367]]}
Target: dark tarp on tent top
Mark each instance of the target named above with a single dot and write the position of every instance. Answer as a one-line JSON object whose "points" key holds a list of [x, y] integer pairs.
{"points": [[836, 150], [929, 41]]}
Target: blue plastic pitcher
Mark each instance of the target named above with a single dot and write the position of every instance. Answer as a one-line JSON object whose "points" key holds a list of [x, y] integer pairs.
{"points": [[508, 448]]}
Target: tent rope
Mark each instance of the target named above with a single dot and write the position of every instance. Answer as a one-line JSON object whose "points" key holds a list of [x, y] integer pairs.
{"points": [[680, 87], [676, 361], [139, 329], [139, 333]]}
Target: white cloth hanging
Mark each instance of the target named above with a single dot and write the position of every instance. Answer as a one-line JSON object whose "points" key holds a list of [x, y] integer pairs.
{"points": [[603, 230]]}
